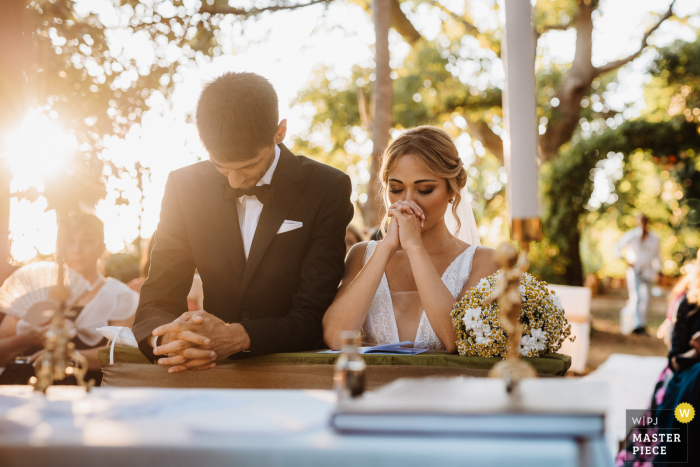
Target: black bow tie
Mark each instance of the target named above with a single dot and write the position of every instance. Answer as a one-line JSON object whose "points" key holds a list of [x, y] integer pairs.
{"points": [[263, 193]]}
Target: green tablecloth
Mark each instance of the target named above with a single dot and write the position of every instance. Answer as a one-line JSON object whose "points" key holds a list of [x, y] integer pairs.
{"points": [[551, 364]]}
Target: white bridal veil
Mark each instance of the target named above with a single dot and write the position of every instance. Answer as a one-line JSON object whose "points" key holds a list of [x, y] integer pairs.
{"points": [[468, 233]]}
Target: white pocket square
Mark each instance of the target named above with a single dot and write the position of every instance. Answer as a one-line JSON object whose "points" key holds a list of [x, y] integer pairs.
{"points": [[288, 226]]}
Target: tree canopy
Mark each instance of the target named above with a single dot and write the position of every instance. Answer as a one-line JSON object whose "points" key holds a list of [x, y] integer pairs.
{"points": [[454, 80]]}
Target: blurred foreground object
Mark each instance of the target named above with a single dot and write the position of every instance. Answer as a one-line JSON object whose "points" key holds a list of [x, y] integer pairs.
{"points": [[507, 293], [349, 377], [520, 124], [59, 351], [66, 192], [544, 411], [291, 428]]}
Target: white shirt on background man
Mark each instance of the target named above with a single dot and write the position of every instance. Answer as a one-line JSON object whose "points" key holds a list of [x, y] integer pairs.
{"points": [[644, 255]]}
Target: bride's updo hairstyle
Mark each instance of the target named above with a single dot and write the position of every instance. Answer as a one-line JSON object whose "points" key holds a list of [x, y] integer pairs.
{"points": [[435, 150]]}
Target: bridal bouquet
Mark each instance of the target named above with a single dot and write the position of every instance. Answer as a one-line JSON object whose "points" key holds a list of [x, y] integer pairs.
{"points": [[479, 332]]}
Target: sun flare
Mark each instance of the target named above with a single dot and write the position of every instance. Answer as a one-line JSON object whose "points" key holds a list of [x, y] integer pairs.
{"points": [[38, 147], [35, 149]]}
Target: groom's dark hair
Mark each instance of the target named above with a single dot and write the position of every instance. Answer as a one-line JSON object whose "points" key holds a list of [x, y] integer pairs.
{"points": [[237, 115]]}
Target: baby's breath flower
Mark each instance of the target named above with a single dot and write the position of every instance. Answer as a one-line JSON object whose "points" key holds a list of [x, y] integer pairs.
{"points": [[471, 317], [479, 333]]}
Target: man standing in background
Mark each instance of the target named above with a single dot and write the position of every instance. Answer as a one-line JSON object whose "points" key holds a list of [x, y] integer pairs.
{"points": [[641, 251]]}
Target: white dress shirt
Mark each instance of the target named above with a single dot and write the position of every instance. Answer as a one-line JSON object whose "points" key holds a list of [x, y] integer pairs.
{"points": [[249, 208], [643, 255]]}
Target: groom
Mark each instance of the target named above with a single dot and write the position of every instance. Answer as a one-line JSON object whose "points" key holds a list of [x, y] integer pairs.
{"points": [[264, 228]]}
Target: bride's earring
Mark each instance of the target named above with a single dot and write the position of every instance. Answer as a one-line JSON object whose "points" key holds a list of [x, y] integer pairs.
{"points": [[452, 200]]}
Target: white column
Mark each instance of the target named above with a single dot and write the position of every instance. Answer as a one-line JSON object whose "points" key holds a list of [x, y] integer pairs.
{"points": [[520, 142]]}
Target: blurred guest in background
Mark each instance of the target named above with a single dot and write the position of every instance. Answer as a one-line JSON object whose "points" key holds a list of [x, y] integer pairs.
{"points": [[375, 234], [641, 251], [108, 302], [352, 237], [678, 382], [135, 284], [675, 297], [12, 346]]}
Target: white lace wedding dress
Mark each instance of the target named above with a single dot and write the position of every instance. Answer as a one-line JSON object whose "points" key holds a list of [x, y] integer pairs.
{"points": [[380, 324]]}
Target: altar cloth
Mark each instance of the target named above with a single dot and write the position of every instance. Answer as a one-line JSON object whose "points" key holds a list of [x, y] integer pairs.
{"points": [[206, 427], [302, 370]]}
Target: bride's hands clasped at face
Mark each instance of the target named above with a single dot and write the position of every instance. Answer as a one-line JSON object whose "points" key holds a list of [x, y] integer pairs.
{"points": [[407, 221]]}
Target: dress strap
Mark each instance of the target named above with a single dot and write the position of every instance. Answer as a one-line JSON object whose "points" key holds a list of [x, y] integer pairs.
{"points": [[465, 268], [371, 245]]}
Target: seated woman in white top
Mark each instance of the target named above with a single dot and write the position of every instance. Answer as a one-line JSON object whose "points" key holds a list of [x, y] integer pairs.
{"points": [[108, 302], [403, 288]]}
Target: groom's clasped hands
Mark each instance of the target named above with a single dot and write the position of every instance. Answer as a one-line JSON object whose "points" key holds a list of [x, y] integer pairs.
{"points": [[196, 339], [406, 225]]}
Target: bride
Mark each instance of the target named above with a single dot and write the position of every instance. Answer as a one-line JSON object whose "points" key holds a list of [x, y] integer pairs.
{"points": [[403, 287]]}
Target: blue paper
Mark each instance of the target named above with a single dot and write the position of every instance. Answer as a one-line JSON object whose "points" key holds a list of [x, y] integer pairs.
{"points": [[398, 348]]}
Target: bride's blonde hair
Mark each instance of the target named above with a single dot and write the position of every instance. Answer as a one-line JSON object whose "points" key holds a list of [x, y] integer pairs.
{"points": [[436, 152]]}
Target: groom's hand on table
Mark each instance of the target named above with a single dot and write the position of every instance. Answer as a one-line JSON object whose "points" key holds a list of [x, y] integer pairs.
{"points": [[197, 339]]}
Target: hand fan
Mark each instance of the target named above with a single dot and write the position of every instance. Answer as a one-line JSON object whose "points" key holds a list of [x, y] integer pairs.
{"points": [[26, 294]]}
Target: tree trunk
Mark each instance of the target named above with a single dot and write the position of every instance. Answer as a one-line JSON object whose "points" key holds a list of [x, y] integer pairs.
{"points": [[373, 210], [575, 87], [574, 270], [15, 58]]}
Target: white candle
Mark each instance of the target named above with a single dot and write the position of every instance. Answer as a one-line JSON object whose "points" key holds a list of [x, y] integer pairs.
{"points": [[520, 141]]}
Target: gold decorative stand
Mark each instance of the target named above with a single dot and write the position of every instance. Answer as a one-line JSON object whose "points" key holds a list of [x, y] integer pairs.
{"points": [[60, 352], [512, 266]]}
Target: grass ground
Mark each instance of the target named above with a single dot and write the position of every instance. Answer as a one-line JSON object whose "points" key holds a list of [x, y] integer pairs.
{"points": [[605, 329]]}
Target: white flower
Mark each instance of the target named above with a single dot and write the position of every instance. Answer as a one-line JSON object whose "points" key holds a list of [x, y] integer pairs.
{"points": [[539, 339], [522, 289], [471, 318], [526, 346], [483, 285], [485, 329], [481, 339]]}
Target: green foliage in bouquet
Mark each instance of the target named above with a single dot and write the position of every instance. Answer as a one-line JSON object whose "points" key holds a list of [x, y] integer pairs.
{"points": [[479, 332]]}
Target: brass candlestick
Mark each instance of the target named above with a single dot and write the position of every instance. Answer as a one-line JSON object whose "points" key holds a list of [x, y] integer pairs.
{"points": [[60, 352], [508, 295]]}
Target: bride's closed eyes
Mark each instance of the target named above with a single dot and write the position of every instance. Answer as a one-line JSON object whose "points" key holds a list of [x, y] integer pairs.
{"points": [[422, 192], [396, 189]]}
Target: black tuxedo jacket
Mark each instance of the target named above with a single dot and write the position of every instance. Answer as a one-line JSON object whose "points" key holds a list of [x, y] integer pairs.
{"points": [[282, 291]]}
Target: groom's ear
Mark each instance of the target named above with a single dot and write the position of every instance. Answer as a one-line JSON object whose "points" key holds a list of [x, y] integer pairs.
{"points": [[281, 131]]}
